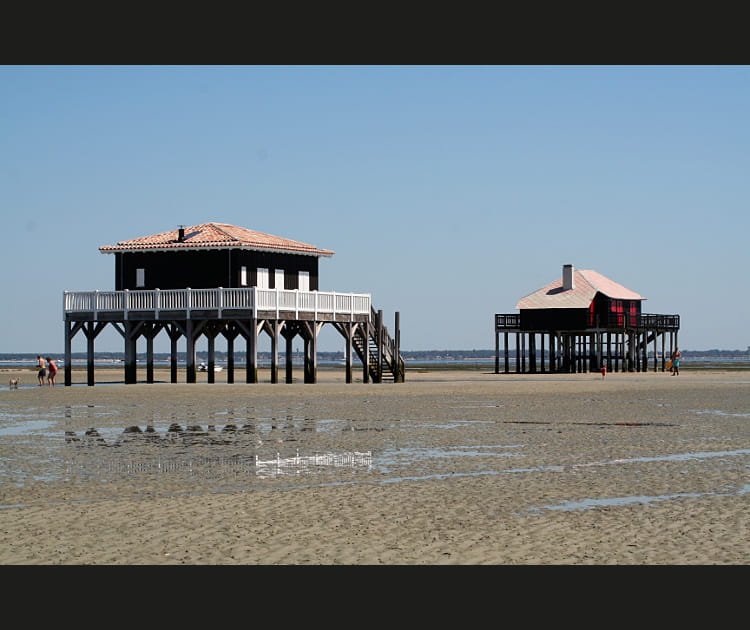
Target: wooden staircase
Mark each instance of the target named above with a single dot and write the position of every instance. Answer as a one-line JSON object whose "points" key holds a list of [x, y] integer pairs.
{"points": [[374, 345]]}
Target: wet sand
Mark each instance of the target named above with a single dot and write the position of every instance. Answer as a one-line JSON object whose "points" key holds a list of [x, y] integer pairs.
{"points": [[451, 467]]}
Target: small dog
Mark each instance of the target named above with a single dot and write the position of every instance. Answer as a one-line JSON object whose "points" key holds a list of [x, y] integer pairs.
{"points": [[13, 383]]}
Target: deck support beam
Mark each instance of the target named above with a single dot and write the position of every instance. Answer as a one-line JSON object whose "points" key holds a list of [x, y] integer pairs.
{"points": [[359, 333], [587, 350], [71, 328], [230, 332], [175, 330]]}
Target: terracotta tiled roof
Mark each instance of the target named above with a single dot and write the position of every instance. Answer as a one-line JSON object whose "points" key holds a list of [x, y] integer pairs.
{"points": [[586, 284], [215, 236]]}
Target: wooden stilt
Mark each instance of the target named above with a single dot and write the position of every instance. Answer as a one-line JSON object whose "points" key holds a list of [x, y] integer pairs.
{"points": [[379, 346], [315, 327], [211, 376], [131, 336], [190, 376], [230, 332], [288, 333], [365, 330], [230, 360], [398, 375], [311, 351], [307, 353], [275, 328], [497, 351], [150, 330], [174, 331], [251, 367], [71, 329], [349, 350], [68, 368], [149, 355], [609, 351]]}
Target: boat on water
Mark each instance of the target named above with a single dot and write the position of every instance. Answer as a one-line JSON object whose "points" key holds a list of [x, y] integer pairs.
{"points": [[202, 367]]}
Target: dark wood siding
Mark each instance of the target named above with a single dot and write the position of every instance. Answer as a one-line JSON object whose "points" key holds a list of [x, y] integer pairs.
{"points": [[554, 319], [206, 269], [601, 309], [604, 312]]}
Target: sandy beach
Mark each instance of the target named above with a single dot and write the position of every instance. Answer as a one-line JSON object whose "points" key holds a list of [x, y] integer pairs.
{"points": [[451, 467]]}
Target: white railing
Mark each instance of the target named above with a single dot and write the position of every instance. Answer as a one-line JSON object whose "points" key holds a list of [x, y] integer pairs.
{"points": [[251, 298]]}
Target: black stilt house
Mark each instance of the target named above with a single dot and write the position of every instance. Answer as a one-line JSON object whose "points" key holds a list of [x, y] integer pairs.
{"points": [[220, 280], [589, 322], [215, 255]]}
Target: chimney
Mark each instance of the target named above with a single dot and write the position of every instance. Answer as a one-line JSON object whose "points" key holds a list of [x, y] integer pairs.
{"points": [[181, 234], [567, 278]]}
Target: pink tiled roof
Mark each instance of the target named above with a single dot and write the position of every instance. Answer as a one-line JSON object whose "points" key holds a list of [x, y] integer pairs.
{"points": [[586, 283], [215, 236]]}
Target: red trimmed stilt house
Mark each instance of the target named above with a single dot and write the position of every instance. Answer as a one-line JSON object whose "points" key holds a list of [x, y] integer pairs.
{"points": [[216, 279], [589, 322]]}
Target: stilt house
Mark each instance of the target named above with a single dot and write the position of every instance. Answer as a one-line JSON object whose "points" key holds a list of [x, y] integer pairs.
{"points": [[589, 322], [216, 279]]}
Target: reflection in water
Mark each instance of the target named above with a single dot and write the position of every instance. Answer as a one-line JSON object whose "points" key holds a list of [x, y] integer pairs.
{"points": [[311, 463], [203, 468], [191, 434], [188, 463], [251, 451], [218, 468]]}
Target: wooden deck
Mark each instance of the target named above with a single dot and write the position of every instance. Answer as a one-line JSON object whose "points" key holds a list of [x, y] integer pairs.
{"points": [[232, 313], [216, 303], [511, 322], [618, 344]]}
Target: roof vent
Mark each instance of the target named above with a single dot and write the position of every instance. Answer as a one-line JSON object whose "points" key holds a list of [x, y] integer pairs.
{"points": [[567, 278], [181, 234]]}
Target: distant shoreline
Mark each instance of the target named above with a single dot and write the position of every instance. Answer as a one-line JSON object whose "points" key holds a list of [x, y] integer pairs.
{"points": [[412, 356], [697, 364]]}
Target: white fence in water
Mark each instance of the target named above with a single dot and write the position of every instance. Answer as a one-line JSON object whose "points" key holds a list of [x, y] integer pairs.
{"points": [[309, 463], [251, 298], [216, 467]]}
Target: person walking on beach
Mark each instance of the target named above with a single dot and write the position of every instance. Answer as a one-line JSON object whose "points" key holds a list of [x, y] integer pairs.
{"points": [[676, 356], [51, 372], [42, 369]]}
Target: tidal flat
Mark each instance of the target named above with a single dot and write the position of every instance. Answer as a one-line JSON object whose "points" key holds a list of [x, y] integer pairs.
{"points": [[450, 467]]}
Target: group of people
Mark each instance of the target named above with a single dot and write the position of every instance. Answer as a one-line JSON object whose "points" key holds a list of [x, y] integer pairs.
{"points": [[47, 369]]}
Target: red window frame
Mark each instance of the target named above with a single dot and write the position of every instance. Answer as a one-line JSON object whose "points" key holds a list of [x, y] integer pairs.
{"points": [[617, 309]]}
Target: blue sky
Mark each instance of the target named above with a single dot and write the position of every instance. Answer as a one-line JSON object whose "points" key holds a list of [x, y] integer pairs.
{"points": [[447, 192]]}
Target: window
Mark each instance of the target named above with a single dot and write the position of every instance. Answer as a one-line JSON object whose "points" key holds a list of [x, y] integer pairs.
{"points": [[140, 278], [262, 278], [243, 276], [633, 314], [304, 280], [617, 311], [278, 279]]}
